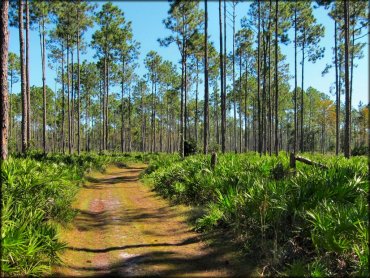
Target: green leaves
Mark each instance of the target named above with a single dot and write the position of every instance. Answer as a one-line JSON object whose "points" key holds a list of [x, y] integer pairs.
{"points": [[322, 213]]}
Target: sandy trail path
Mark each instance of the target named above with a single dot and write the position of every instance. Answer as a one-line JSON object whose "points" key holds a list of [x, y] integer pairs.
{"points": [[124, 229]]}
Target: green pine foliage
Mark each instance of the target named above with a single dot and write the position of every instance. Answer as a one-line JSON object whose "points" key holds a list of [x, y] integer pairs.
{"points": [[311, 223]]}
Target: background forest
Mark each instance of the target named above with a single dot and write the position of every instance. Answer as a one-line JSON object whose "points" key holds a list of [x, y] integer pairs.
{"points": [[106, 105]]}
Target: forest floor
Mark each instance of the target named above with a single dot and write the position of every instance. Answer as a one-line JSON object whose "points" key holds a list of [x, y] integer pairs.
{"points": [[123, 228]]}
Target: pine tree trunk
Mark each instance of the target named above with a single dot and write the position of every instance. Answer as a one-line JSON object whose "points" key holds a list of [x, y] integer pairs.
{"points": [[122, 104], [4, 114], [302, 99], [206, 93], [43, 88], [337, 106], [182, 115], [295, 82], [347, 139], [259, 82], [68, 101], [23, 78], [78, 92], [234, 90], [63, 104], [223, 127], [28, 90], [246, 139], [196, 100], [276, 79], [129, 121], [240, 103], [72, 103], [224, 121], [154, 114]]}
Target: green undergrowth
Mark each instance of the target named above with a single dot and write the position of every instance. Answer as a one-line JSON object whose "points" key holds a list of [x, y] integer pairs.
{"points": [[37, 194], [311, 223]]}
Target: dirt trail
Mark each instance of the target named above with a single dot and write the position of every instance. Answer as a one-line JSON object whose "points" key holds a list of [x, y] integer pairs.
{"points": [[124, 229]]}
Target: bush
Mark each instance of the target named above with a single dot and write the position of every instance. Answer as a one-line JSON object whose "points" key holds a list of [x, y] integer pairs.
{"points": [[190, 147], [316, 218], [360, 150]]}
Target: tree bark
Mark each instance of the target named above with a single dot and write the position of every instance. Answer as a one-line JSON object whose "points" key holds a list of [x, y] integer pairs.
{"points": [[337, 106], [78, 91], [302, 94], [206, 93], [196, 100], [347, 139], [234, 90], [258, 82], [63, 104], [68, 101], [4, 113], [28, 90], [43, 88], [223, 126], [23, 79], [295, 82], [122, 104], [276, 79]]}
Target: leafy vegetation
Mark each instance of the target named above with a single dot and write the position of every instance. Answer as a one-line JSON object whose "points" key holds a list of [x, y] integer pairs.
{"points": [[311, 223], [37, 194]]}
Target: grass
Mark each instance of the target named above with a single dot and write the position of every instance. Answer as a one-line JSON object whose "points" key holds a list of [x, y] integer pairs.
{"points": [[313, 223]]}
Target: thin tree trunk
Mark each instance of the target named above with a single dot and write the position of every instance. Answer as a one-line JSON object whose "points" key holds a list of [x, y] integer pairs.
{"points": [[196, 100], [225, 73], [68, 101], [221, 74], [28, 90], [337, 91], [23, 79], [302, 95], [43, 88], [258, 82], [63, 104], [234, 90], [122, 104], [72, 102], [206, 93], [295, 81], [276, 79], [154, 114], [4, 114], [78, 92], [347, 139], [181, 133], [246, 141], [129, 121], [223, 122]]}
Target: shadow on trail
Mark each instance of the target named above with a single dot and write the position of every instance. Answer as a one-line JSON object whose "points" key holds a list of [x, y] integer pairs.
{"points": [[173, 264], [115, 248], [88, 220], [151, 258]]}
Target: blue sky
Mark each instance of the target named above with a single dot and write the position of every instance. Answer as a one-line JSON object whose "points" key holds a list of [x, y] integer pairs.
{"points": [[147, 16]]}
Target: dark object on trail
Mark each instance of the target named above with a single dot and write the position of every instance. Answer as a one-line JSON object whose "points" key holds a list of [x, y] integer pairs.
{"points": [[304, 160], [190, 147], [213, 160]]}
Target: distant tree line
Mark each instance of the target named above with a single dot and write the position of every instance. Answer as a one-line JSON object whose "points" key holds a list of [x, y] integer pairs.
{"points": [[235, 100]]}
